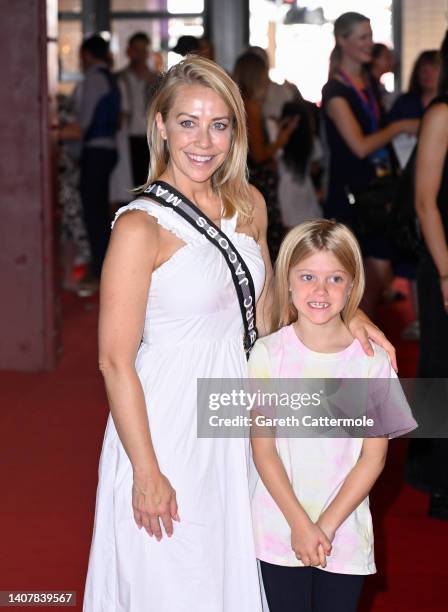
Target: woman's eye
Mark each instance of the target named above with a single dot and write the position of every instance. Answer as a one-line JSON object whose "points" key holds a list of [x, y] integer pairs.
{"points": [[219, 125], [187, 123], [307, 277], [337, 279]]}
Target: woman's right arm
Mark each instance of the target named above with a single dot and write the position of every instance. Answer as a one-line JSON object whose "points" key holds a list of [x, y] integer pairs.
{"points": [[125, 281], [339, 111]]}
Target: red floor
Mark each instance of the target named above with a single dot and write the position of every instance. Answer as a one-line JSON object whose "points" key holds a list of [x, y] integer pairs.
{"points": [[51, 428]]}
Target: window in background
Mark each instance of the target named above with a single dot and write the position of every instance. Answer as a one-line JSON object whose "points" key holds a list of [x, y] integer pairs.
{"points": [[69, 41], [163, 33], [137, 5], [181, 6], [298, 51], [70, 6], [164, 30], [172, 6]]}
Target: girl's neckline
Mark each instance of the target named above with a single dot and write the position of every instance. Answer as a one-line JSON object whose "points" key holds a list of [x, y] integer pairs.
{"points": [[316, 354]]}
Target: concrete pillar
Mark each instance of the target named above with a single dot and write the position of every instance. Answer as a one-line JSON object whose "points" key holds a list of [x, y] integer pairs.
{"points": [[228, 24], [29, 303]]}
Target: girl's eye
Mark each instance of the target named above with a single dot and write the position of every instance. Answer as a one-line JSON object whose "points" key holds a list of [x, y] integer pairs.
{"points": [[307, 277], [337, 279], [187, 123]]}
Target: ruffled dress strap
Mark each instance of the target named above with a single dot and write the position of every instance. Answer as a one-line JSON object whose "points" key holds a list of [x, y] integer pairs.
{"points": [[229, 225], [167, 218]]}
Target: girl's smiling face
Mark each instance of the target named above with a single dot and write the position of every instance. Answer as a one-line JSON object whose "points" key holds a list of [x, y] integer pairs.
{"points": [[198, 132], [319, 287]]}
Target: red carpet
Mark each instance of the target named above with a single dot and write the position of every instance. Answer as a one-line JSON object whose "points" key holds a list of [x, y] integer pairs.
{"points": [[51, 432]]}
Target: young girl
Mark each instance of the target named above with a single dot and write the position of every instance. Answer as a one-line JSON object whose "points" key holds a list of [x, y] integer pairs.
{"points": [[312, 523]]}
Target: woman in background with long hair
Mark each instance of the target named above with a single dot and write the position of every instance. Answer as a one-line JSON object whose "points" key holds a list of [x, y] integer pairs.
{"points": [[431, 202], [357, 141]]}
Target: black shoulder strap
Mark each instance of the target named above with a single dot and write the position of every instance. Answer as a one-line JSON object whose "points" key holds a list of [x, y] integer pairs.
{"points": [[167, 196]]}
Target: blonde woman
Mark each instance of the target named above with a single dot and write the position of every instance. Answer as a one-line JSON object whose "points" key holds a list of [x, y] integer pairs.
{"points": [[312, 524], [172, 525]]}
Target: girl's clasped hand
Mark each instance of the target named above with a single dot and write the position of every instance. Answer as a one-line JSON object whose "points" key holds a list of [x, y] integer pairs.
{"points": [[310, 543]]}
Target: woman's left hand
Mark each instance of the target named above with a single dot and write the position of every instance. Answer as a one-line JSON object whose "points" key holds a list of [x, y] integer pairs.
{"points": [[362, 328], [444, 289]]}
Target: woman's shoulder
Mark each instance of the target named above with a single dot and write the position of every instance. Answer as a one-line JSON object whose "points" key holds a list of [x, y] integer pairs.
{"points": [[144, 211], [440, 103], [440, 99], [259, 211], [334, 88], [436, 115]]}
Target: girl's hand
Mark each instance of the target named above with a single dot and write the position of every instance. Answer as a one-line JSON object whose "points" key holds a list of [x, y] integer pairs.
{"points": [[326, 528], [362, 328], [310, 544], [153, 499]]}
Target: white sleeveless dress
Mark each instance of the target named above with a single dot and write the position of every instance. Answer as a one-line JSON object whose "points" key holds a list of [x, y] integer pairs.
{"points": [[193, 328]]}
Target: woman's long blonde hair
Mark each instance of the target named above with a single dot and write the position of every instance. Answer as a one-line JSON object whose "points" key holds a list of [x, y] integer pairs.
{"points": [[305, 240], [229, 181]]}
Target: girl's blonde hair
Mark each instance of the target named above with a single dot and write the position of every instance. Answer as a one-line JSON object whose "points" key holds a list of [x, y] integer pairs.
{"points": [[229, 181], [307, 239]]}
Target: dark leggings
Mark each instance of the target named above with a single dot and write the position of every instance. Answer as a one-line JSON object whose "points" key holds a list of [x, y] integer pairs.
{"points": [[309, 589]]}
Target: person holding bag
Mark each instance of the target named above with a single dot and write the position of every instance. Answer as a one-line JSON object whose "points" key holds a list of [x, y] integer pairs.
{"points": [[359, 158], [173, 527]]}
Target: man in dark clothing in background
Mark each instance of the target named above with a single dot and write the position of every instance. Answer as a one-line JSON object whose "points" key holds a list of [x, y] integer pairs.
{"points": [[98, 116], [136, 83]]}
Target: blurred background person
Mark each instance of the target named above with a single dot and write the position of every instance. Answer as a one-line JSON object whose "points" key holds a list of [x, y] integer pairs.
{"points": [[357, 144], [429, 462], [136, 82], [187, 45], [206, 48], [298, 162], [383, 62], [277, 95], [98, 115], [422, 89], [251, 75], [75, 248]]}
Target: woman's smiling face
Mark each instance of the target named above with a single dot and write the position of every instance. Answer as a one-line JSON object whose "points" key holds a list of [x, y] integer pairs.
{"points": [[198, 132], [359, 44]]}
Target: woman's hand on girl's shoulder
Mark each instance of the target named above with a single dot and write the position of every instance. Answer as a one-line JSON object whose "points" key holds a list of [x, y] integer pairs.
{"points": [[362, 328]]}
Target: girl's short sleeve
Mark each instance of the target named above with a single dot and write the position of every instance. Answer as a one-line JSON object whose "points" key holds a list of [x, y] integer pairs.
{"points": [[258, 364], [388, 405]]}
